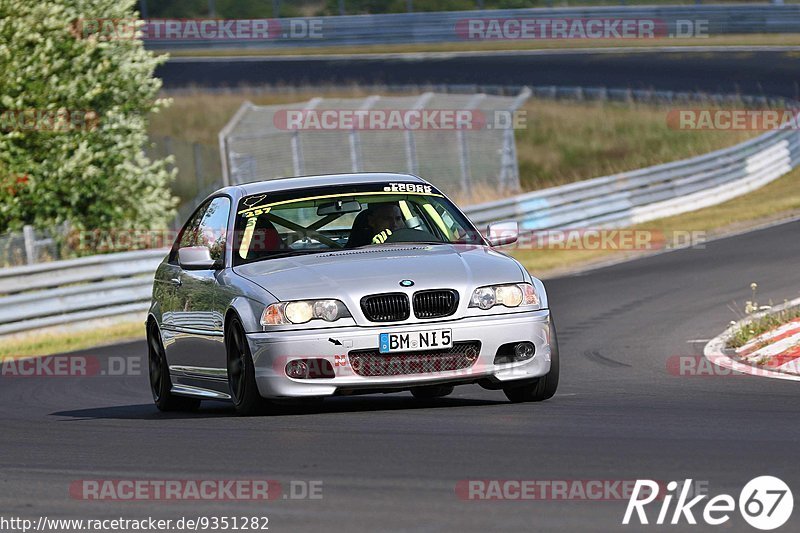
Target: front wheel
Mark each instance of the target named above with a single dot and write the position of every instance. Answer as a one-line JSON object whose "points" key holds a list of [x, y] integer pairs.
{"points": [[544, 387], [160, 382], [241, 372]]}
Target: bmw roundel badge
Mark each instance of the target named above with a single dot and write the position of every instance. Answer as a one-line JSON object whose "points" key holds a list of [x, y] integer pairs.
{"points": [[406, 283]]}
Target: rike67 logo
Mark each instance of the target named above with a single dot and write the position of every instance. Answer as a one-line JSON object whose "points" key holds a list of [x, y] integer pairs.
{"points": [[765, 503]]}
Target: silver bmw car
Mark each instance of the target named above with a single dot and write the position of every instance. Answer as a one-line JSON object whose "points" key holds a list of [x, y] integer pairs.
{"points": [[343, 284]]}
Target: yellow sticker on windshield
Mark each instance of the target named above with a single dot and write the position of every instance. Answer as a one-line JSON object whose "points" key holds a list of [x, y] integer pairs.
{"points": [[247, 237], [434, 214], [255, 212]]}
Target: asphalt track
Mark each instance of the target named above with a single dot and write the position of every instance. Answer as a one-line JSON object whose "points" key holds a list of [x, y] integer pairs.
{"points": [[389, 462], [771, 73]]}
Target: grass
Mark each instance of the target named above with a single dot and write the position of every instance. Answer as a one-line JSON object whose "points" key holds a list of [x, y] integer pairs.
{"points": [[564, 141], [571, 141], [756, 39], [42, 344], [757, 326]]}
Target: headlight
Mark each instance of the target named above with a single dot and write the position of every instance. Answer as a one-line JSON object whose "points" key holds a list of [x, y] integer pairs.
{"points": [[303, 311], [298, 312], [512, 295]]}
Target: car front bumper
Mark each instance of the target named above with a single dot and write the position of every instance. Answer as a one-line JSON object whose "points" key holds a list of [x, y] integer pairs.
{"points": [[272, 351]]}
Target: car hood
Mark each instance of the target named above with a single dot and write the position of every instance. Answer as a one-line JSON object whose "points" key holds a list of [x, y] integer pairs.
{"points": [[351, 274]]}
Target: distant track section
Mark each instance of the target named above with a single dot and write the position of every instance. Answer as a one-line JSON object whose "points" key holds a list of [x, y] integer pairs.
{"points": [[763, 72]]}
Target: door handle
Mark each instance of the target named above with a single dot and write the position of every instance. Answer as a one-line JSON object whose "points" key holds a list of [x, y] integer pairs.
{"points": [[176, 281]]}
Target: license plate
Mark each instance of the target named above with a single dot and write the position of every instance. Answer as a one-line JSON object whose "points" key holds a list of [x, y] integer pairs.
{"points": [[435, 339]]}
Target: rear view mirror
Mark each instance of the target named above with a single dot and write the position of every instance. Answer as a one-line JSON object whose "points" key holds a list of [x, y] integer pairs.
{"points": [[339, 207], [500, 233], [196, 258]]}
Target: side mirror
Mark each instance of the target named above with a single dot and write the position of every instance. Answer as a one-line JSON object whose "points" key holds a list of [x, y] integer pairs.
{"points": [[500, 233], [196, 258]]}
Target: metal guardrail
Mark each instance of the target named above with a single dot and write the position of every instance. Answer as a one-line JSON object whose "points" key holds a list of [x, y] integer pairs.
{"points": [[650, 193], [441, 27], [63, 292]]}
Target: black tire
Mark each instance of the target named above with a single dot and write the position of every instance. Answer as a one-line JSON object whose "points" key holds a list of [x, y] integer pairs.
{"points": [[543, 388], [430, 392], [241, 372], [160, 382]]}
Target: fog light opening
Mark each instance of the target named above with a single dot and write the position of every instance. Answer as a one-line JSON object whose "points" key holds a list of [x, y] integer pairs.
{"points": [[297, 369], [524, 351], [310, 369]]}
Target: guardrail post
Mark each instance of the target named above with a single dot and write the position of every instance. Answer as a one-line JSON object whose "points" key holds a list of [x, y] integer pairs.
{"points": [[227, 179], [412, 163], [198, 166], [30, 244], [355, 138], [509, 171], [466, 171], [298, 162]]}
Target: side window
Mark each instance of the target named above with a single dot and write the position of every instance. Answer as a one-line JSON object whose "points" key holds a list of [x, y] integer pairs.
{"points": [[208, 227], [187, 231]]}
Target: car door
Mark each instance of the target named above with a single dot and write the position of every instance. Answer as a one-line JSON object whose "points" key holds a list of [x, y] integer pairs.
{"points": [[197, 346], [168, 281]]}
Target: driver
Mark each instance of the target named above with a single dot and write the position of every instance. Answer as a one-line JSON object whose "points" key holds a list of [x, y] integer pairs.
{"points": [[383, 220]]}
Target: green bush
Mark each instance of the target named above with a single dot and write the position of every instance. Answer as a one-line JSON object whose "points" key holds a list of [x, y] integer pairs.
{"points": [[74, 106]]}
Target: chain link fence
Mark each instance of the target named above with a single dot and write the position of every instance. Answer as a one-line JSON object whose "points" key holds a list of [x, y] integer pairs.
{"points": [[198, 170], [341, 135], [31, 246]]}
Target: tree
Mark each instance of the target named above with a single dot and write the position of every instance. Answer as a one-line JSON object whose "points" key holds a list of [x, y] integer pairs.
{"points": [[75, 94]]}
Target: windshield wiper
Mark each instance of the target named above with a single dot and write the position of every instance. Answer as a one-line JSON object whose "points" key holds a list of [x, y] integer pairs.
{"points": [[291, 253]]}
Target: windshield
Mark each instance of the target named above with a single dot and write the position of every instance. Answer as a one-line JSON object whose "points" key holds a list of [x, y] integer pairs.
{"points": [[342, 217]]}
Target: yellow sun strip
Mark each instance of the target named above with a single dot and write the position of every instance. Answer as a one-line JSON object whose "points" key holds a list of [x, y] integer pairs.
{"points": [[437, 218], [339, 195], [247, 237]]}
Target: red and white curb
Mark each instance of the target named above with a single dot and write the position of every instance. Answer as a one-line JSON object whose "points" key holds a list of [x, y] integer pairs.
{"points": [[774, 354], [778, 349]]}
